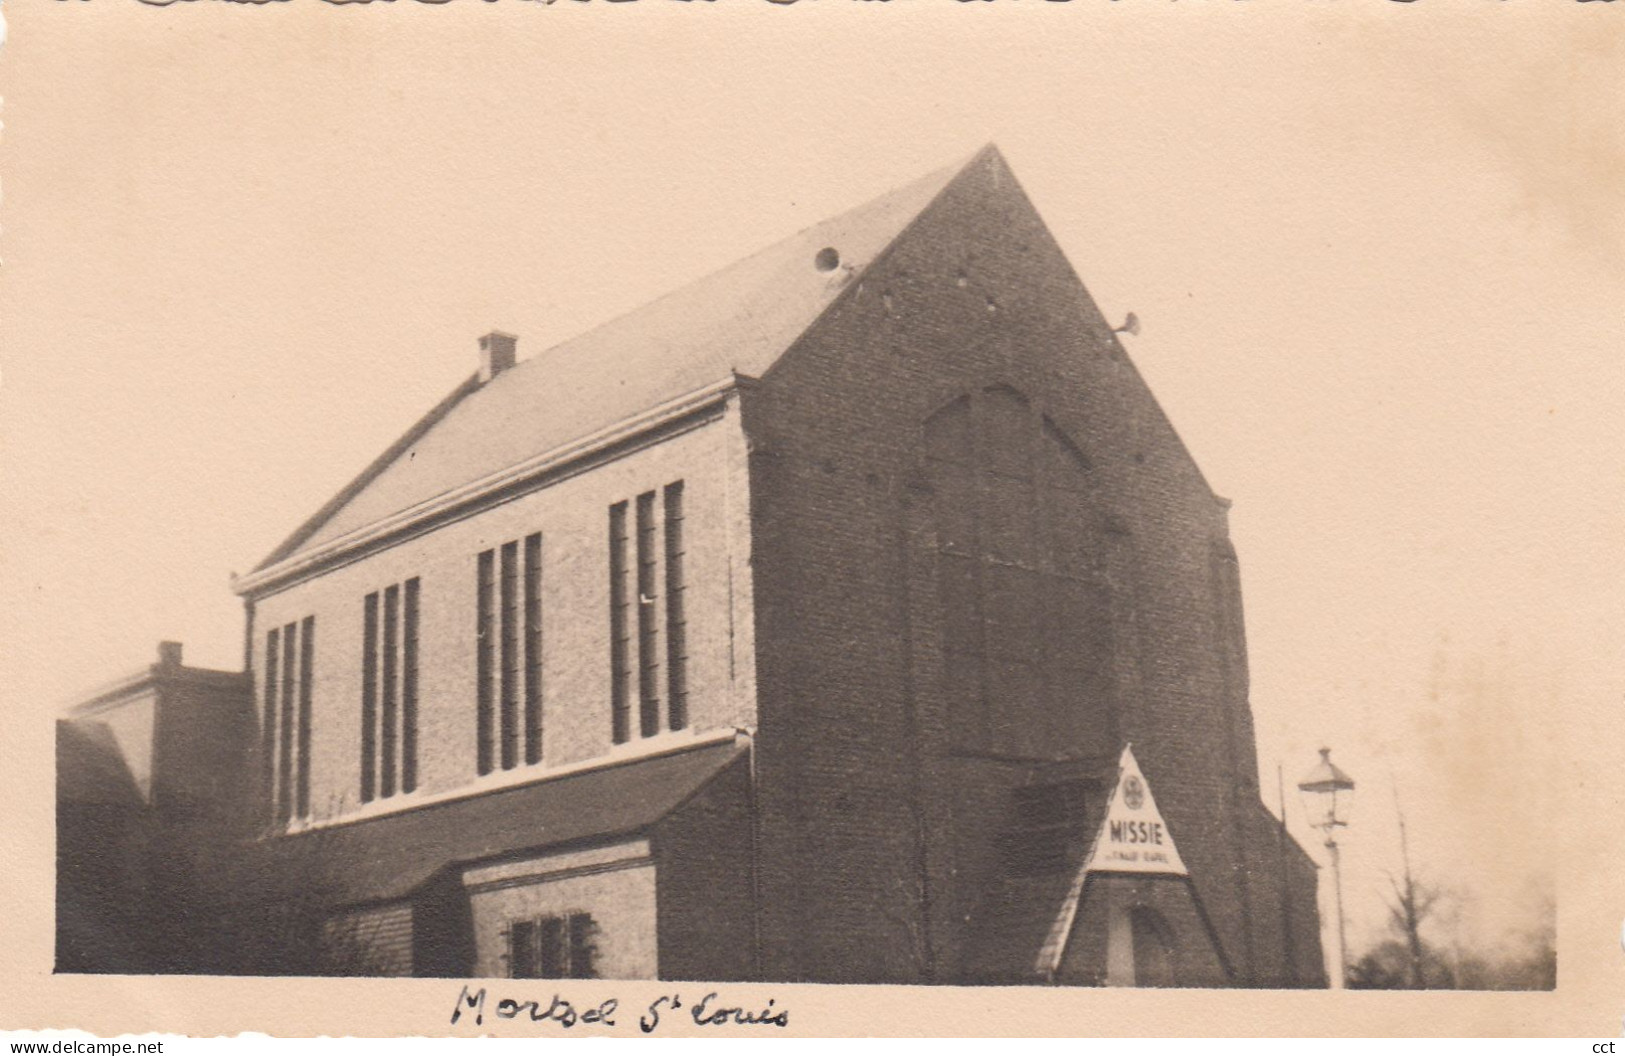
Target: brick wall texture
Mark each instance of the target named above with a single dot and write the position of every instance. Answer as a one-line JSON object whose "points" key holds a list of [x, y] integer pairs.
{"points": [[572, 515], [910, 645], [882, 820]]}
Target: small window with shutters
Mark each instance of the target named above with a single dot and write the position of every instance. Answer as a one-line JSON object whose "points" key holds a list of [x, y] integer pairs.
{"points": [[562, 946]]}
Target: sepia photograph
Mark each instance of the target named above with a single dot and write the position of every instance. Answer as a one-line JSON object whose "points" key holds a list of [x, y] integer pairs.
{"points": [[614, 504]]}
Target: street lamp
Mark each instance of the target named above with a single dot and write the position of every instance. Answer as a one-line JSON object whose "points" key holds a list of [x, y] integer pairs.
{"points": [[1327, 795]]}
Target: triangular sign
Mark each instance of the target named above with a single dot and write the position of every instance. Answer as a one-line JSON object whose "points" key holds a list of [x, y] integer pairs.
{"points": [[1133, 837]]}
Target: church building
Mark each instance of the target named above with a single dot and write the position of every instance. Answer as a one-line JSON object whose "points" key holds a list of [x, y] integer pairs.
{"points": [[853, 614]]}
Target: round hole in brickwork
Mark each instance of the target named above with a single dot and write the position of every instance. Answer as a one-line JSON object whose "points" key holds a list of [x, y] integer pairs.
{"points": [[827, 259]]}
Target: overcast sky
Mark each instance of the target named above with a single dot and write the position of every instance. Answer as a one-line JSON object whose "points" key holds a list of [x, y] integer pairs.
{"points": [[1377, 261]]}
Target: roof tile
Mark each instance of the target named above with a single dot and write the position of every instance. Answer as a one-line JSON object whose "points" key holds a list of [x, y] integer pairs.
{"points": [[387, 858], [738, 320]]}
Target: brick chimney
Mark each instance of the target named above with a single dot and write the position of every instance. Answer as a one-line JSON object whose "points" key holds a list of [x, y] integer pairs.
{"points": [[496, 354], [169, 654]]}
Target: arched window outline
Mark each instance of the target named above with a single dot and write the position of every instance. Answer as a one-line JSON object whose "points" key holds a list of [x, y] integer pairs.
{"points": [[1053, 462], [1021, 556]]}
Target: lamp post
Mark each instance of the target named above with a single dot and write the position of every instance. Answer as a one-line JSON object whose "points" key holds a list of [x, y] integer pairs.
{"points": [[1327, 794]]}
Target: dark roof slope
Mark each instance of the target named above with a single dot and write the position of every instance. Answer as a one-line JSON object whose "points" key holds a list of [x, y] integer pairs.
{"points": [[736, 321], [390, 857]]}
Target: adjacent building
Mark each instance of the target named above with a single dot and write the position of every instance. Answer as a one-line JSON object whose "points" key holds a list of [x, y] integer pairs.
{"points": [[148, 774], [789, 628]]}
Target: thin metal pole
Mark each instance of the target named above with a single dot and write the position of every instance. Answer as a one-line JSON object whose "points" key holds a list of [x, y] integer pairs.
{"points": [[1342, 936]]}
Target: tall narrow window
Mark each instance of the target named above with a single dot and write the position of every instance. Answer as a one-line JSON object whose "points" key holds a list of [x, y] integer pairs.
{"points": [[523, 949], [369, 698], [582, 949], [552, 954], [510, 655], [268, 740], [390, 726], [409, 689], [533, 648], [620, 651], [290, 654], [307, 656], [648, 619], [389, 691], [290, 685], [484, 658], [647, 573], [676, 621]]}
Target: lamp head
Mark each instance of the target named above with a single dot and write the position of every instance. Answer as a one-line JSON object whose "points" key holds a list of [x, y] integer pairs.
{"points": [[1327, 794]]}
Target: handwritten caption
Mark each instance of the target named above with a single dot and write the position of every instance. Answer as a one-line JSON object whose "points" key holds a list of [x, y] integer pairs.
{"points": [[709, 1011]]}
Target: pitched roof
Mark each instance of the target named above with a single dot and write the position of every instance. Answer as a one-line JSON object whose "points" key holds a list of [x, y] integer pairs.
{"points": [[736, 321], [390, 857], [91, 768]]}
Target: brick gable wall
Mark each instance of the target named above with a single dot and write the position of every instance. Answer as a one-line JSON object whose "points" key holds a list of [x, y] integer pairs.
{"points": [[879, 827]]}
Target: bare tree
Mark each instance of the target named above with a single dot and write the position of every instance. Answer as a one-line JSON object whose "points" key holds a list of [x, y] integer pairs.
{"points": [[1409, 961], [1412, 905]]}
